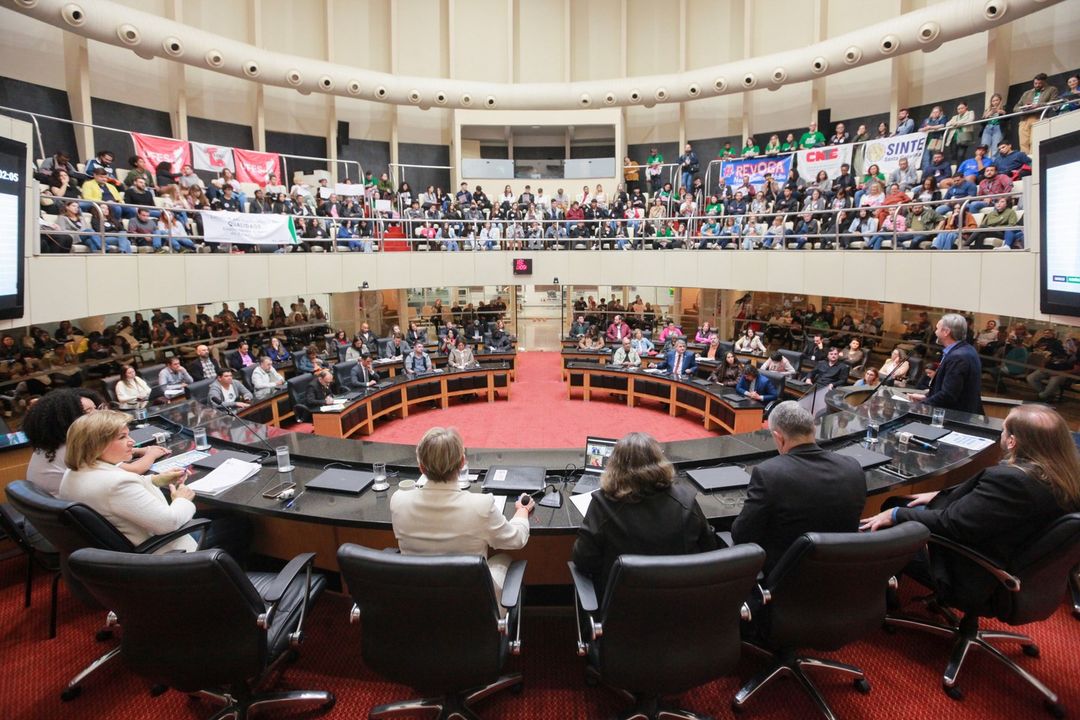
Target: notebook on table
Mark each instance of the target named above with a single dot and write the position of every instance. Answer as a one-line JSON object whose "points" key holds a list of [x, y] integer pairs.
{"points": [[597, 452], [726, 477], [212, 461], [867, 458], [514, 479]]}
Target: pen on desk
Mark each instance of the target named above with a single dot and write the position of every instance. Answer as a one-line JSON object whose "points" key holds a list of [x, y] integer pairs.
{"points": [[288, 505]]}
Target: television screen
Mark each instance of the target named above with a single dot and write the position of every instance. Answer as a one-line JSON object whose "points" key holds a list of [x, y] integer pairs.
{"points": [[1059, 177], [12, 226]]}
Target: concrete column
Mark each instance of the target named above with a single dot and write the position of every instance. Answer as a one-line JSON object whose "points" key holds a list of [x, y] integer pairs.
{"points": [[899, 77], [682, 68], [77, 81], [821, 33], [258, 114], [331, 100], [998, 50], [748, 52], [178, 114]]}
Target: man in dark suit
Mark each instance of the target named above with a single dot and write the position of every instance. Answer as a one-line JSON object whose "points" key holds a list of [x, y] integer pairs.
{"points": [[957, 385], [679, 361], [803, 489], [363, 375], [322, 391], [371, 343], [203, 366]]}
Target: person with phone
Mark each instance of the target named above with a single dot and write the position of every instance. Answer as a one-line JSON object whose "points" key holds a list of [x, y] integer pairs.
{"points": [[438, 518]]}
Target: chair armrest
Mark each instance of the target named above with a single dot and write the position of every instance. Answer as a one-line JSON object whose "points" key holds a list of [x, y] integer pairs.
{"points": [[585, 589], [151, 545], [276, 589], [511, 594], [1010, 581]]}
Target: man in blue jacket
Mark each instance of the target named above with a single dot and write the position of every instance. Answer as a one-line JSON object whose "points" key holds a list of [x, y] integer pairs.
{"points": [[679, 362], [756, 386], [957, 385]]}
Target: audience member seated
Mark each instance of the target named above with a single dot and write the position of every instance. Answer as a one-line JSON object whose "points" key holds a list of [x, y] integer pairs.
{"points": [[461, 356], [895, 370], [756, 386], [870, 378], [265, 376], [640, 509], [227, 392], [678, 361], [729, 372], [242, 357], [323, 390], [1002, 216], [277, 352], [418, 361], [749, 343], [642, 344], [777, 363], [625, 355], [131, 388], [1002, 509], [803, 489], [437, 518], [173, 375], [831, 372], [617, 330], [203, 367]]}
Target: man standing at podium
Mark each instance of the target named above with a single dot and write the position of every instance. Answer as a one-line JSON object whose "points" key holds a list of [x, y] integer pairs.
{"points": [[957, 385]]}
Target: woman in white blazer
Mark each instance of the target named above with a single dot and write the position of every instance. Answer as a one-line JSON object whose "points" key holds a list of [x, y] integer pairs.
{"points": [[96, 444], [439, 519]]}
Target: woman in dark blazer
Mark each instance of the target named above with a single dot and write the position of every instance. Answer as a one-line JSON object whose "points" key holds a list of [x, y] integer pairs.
{"points": [[640, 510], [1004, 508]]}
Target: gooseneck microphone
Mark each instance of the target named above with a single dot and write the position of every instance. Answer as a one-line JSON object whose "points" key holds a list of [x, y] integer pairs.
{"points": [[220, 405]]}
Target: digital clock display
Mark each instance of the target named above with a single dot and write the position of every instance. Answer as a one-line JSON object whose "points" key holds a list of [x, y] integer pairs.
{"points": [[523, 266]]}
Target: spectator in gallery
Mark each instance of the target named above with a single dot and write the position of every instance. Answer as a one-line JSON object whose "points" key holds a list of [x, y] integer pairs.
{"points": [[960, 135], [1031, 102], [993, 130]]}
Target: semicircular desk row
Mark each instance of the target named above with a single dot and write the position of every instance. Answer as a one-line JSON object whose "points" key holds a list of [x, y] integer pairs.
{"points": [[320, 521]]}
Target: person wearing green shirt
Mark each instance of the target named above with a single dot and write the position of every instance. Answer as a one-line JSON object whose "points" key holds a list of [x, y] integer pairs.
{"points": [[727, 153], [773, 146], [652, 172], [789, 144], [369, 179], [750, 149], [812, 137], [714, 207]]}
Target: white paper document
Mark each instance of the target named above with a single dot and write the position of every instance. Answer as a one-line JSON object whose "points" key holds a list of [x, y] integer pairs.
{"points": [[500, 503], [581, 502], [971, 442], [224, 476]]}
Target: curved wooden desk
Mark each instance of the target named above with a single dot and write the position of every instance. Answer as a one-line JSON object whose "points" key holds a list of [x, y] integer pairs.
{"points": [[695, 396]]}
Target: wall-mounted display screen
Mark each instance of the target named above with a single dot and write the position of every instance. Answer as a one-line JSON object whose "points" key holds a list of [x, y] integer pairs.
{"points": [[1059, 177], [523, 266], [12, 226]]}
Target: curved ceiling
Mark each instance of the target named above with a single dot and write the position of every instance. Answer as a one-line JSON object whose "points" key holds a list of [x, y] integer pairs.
{"points": [[149, 36]]}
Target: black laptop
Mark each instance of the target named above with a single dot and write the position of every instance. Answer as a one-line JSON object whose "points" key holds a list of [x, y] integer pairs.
{"points": [[146, 435], [220, 456], [341, 480], [929, 433], [514, 479], [597, 452], [867, 458], [726, 477]]}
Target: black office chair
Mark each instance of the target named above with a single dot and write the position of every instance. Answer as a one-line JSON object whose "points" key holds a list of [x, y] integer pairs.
{"points": [[635, 624], [343, 373], [794, 357], [248, 372], [110, 387], [431, 622], [38, 550], [150, 373], [71, 526], [228, 356], [200, 390], [1027, 591], [383, 344], [297, 387], [826, 591], [779, 382], [234, 629]]}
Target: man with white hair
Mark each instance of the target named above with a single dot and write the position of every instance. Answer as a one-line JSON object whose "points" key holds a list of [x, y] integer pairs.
{"points": [[957, 384], [803, 489]]}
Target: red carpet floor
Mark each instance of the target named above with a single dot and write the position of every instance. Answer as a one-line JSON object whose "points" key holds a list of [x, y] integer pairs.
{"points": [[903, 670], [539, 415]]}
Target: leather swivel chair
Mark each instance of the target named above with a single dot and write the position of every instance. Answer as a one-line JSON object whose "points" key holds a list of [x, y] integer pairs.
{"points": [[431, 622], [235, 628], [38, 550], [71, 526], [200, 390], [110, 387], [1027, 591], [826, 591], [150, 373], [247, 373], [343, 373], [794, 357], [297, 387], [634, 624]]}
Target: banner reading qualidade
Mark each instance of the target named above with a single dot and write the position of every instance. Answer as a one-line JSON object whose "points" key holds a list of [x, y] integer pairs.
{"points": [[158, 149], [733, 171], [248, 229], [886, 152]]}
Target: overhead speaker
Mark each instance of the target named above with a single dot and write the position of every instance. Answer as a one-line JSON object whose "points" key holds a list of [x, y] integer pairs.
{"points": [[251, 68], [214, 58], [353, 87], [293, 77], [128, 34], [73, 15], [172, 46], [326, 83]]}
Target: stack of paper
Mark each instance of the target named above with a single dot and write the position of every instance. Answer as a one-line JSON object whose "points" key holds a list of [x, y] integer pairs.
{"points": [[336, 407], [224, 476]]}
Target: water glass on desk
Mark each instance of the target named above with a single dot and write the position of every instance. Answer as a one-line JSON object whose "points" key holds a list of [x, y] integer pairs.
{"points": [[379, 471], [201, 443], [872, 428], [937, 419]]}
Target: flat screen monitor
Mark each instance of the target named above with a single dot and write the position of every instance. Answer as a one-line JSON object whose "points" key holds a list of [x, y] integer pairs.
{"points": [[1059, 178], [597, 452], [12, 227]]}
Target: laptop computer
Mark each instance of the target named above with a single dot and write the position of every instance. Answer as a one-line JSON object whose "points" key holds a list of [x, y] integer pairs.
{"points": [[726, 477], [929, 433], [215, 459], [597, 452], [341, 480], [867, 458], [514, 479], [735, 397], [147, 435]]}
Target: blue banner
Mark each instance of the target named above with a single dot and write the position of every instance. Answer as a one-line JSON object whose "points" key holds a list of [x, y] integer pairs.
{"points": [[732, 172]]}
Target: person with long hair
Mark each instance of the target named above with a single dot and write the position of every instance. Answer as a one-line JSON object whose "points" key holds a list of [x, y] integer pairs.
{"points": [[1001, 510], [46, 425], [640, 510], [131, 388]]}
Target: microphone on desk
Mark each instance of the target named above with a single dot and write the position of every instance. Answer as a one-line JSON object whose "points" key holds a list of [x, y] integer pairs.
{"points": [[910, 438], [220, 405]]}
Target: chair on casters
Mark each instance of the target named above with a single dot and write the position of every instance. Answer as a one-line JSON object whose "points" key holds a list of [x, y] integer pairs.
{"points": [[243, 626], [71, 526], [798, 611], [432, 622], [633, 625], [1028, 591]]}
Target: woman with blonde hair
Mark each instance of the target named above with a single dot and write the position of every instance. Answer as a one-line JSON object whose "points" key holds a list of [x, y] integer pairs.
{"points": [[641, 510], [1001, 510], [131, 388], [96, 444], [896, 368]]}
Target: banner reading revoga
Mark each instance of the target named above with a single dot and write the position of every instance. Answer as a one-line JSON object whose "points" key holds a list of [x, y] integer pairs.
{"points": [[248, 229]]}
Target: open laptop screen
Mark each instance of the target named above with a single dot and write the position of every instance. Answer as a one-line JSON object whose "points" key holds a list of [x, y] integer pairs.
{"points": [[597, 452]]}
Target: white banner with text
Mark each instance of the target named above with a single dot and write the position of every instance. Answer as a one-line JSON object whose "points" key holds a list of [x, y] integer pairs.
{"points": [[248, 229]]}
